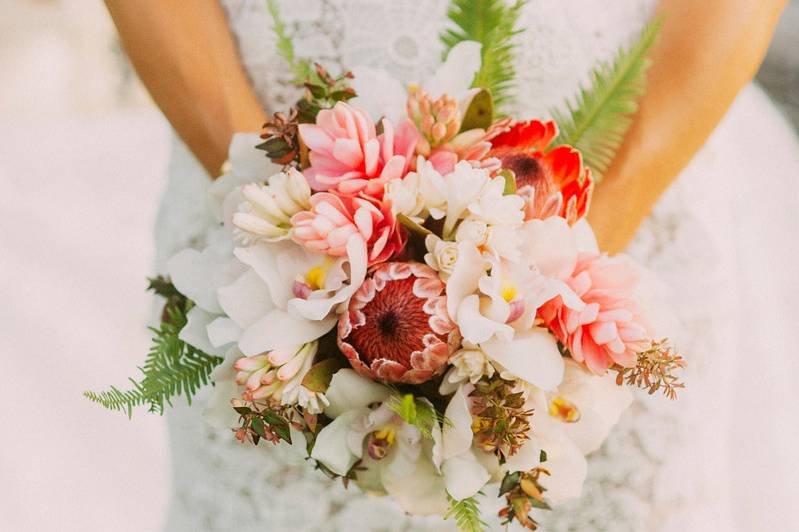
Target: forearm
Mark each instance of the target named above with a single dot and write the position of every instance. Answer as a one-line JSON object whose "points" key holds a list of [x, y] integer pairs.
{"points": [[187, 58], [707, 52]]}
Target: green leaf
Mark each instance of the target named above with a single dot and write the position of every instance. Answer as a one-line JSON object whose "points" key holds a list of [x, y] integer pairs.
{"points": [[492, 23], [466, 513], [407, 409], [318, 377], [257, 425], [542, 457], [480, 113], [300, 68], [162, 286], [412, 226], [172, 368], [600, 115], [510, 181]]}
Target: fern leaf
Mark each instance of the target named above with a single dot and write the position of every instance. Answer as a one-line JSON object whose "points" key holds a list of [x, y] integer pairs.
{"points": [[300, 68], [600, 115], [466, 513], [118, 400], [172, 368], [492, 23]]}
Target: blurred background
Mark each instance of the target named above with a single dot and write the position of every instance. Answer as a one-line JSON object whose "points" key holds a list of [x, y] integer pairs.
{"points": [[74, 120]]}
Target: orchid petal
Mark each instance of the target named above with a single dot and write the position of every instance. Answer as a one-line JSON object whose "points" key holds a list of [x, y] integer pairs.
{"points": [[348, 390], [532, 356]]}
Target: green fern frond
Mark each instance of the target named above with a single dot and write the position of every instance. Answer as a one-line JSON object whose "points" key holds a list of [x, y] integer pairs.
{"points": [[118, 400], [600, 115], [172, 368], [466, 513], [300, 68], [492, 23]]}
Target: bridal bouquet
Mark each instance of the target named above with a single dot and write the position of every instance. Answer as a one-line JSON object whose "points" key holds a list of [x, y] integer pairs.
{"points": [[406, 290]]}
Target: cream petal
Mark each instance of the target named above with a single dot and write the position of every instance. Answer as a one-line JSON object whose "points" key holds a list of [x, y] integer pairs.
{"points": [[218, 411], [550, 245], [332, 448], [455, 75], [263, 258], [525, 458], [457, 434], [349, 390], [532, 356], [567, 466], [465, 275], [195, 332], [320, 308], [379, 94], [223, 331], [246, 299], [585, 238], [198, 275], [475, 327], [279, 329], [464, 475], [420, 492], [600, 401]]}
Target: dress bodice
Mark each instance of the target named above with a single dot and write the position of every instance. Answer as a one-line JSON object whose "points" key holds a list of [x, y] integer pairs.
{"points": [[562, 40]]}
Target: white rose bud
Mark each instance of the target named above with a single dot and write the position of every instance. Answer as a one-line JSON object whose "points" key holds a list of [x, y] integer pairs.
{"points": [[441, 256]]}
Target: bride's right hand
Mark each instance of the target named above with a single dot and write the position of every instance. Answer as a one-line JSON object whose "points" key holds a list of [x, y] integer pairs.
{"points": [[187, 58]]}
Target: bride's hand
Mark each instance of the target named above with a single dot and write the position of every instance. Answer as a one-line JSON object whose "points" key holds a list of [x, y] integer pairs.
{"points": [[707, 52], [187, 58]]}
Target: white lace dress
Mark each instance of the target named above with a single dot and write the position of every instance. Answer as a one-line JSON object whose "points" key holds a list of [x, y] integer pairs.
{"points": [[722, 456]]}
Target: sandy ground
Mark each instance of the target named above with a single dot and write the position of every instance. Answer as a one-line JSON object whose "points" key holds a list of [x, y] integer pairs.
{"points": [[82, 165]]}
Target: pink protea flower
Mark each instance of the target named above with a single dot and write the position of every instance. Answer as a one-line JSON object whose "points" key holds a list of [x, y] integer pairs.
{"points": [[396, 328], [348, 156], [332, 220], [610, 329]]}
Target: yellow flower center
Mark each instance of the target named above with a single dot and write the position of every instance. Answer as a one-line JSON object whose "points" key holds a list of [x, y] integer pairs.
{"points": [[315, 277], [564, 410], [509, 292], [387, 434]]}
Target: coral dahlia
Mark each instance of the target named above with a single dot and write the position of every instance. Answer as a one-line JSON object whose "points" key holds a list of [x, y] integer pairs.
{"points": [[396, 328], [610, 329], [553, 178]]}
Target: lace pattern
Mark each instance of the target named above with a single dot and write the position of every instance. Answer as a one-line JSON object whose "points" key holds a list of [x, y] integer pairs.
{"points": [[634, 480]]}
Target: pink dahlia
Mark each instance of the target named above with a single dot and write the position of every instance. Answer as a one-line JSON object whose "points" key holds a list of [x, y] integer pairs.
{"points": [[396, 328], [332, 220], [610, 329], [348, 156]]}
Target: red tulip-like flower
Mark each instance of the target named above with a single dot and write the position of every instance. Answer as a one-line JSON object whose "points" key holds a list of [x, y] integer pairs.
{"points": [[396, 328], [554, 177]]}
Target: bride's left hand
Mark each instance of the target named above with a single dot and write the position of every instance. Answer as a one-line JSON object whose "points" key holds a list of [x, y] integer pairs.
{"points": [[708, 51]]}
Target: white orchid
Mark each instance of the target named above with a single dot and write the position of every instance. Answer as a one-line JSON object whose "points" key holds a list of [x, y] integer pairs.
{"points": [[571, 421], [466, 469], [381, 95], [397, 458], [286, 298]]}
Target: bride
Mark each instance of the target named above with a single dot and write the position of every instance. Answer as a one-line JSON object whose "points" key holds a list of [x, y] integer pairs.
{"points": [[704, 192]]}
